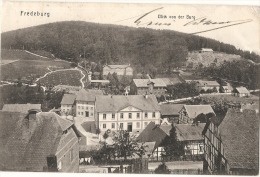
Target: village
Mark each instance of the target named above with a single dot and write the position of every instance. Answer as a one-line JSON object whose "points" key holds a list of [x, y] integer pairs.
{"points": [[145, 124]]}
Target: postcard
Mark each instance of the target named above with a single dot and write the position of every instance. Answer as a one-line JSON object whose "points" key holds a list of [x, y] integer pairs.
{"points": [[135, 88]]}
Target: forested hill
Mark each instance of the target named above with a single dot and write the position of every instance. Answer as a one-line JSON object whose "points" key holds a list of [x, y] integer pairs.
{"points": [[144, 48]]}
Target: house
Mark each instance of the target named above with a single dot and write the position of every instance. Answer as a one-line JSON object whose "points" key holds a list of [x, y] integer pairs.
{"points": [[226, 88], [99, 84], [241, 92], [68, 104], [191, 137], [189, 112], [148, 86], [232, 144], [206, 50], [37, 142], [82, 103], [172, 80], [171, 112], [207, 85], [153, 133], [120, 70], [85, 103], [24, 108], [132, 113]]}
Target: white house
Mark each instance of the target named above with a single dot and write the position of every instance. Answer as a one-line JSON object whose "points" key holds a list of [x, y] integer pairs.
{"points": [[67, 103], [241, 92], [132, 113], [120, 70], [207, 85]]}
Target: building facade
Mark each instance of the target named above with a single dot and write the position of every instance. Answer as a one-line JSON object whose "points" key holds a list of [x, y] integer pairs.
{"points": [[232, 144], [120, 70], [132, 113], [148, 86], [189, 112]]}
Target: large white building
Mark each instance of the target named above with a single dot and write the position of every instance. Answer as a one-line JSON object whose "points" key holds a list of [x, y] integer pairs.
{"points": [[132, 113]]}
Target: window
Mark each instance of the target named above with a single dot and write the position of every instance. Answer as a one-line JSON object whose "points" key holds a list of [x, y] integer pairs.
{"points": [[130, 115], [146, 115], [82, 113], [145, 124], [91, 114], [104, 126], [113, 126], [138, 115], [104, 116], [153, 114], [91, 108], [78, 107], [137, 124], [78, 113], [86, 108], [71, 155], [82, 107], [121, 125], [201, 147], [113, 115], [121, 115]]}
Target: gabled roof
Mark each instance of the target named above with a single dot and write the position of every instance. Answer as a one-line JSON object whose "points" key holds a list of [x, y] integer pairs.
{"points": [[189, 132], [24, 108], [152, 133], [171, 109], [25, 151], [239, 133], [68, 99], [208, 83], [242, 90], [117, 66], [116, 103], [171, 80], [194, 110], [144, 82], [88, 95]]}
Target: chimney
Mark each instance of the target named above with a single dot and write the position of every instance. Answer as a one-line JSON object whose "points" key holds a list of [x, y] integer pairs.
{"points": [[32, 120]]}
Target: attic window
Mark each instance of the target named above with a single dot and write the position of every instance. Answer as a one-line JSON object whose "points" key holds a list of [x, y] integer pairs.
{"points": [[65, 132]]}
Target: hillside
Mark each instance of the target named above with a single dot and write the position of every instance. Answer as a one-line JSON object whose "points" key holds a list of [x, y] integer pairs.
{"points": [[208, 58], [147, 50]]}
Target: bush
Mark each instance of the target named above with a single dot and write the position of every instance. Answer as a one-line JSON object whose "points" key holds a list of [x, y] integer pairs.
{"points": [[162, 169]]}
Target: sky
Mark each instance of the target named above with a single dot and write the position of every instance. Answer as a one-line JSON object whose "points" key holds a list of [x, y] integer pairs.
{"points": [[236, 25]]}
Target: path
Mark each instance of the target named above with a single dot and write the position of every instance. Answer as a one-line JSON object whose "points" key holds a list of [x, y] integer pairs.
{"points": [[35, 54]]}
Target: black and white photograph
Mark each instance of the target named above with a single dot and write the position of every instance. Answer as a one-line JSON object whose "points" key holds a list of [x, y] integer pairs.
{"points": [[131, 88]]}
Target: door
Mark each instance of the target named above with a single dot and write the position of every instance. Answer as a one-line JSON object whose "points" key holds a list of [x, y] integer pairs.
{"points": [[86, 114], [129, 127]]}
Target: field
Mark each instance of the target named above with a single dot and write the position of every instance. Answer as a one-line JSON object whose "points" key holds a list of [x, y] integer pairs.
{"points": [[7, 54], [232, 99], [30, 69], [65, 77]]}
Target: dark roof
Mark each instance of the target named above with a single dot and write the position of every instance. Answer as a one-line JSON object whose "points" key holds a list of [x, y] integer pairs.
{"points": [[115, 103], [88, 95], [215, 120], [170, 109], [89, 126], [239, 133], [185, 132], [68, 99], [21, 107], [189, 132], [25, 151], [152, 133]]}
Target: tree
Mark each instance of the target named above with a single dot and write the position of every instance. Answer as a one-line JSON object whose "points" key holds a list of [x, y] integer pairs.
{"points": [[162, 169], [173, 147]]}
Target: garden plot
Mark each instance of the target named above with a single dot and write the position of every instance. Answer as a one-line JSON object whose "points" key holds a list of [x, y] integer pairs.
{"points": [[70, 77]]}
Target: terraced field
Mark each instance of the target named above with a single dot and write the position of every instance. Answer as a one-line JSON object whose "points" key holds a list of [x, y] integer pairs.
{"points": [[65, 77]]}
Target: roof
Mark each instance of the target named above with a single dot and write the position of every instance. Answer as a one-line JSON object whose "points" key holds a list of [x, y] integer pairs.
{"points": [[208, 83], [68, 99], [106, 103], [117, 66], [24, 108], [239, 133], [242, 90], [144, 82], [171, 80], [25, 151], [194, 110], [88, 95], [170, 109], [189, 132], [152, 133], [89, 126], [206, 50]]}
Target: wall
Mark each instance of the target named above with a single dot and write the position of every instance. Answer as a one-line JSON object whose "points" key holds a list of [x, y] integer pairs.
{"points": [[83, 107], [68, 152], [66, 108]]}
